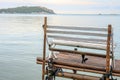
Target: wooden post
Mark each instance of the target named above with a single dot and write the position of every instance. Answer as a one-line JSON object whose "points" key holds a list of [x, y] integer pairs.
{"points": [[113, 63], [44, 48], [108, 51]]}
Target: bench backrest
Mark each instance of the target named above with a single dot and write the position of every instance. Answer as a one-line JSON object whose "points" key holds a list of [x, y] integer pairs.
{"points": [[85, 39], [75, 36]]}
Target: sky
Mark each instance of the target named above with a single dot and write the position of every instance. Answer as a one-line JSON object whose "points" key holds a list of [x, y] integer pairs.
{"points": [[69, 6]]}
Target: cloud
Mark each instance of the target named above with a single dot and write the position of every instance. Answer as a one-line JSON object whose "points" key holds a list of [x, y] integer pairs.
{"points": [[69, 2], [54, 2]]}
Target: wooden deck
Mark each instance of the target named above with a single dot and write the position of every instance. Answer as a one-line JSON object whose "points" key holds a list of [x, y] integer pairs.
{"points": [[73, 62]]}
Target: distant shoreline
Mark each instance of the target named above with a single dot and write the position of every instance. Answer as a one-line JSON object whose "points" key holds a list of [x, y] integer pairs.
{"points": [[27, 10], [36, 14]]}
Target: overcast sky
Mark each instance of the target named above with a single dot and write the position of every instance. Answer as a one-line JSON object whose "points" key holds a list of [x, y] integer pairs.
{"points": [[69, 6]]}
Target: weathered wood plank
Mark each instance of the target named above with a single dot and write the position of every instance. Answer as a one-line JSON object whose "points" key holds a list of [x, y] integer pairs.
{"points": [[78, 52], [77, 76], [94, 64], [94, 40], [77, 33], [78, 28], [79, 44]]}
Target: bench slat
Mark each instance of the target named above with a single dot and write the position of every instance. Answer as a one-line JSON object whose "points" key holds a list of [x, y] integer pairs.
{"points": [[78, 52], [77, 33], [78, 28], [79, 44], [101, 41]]}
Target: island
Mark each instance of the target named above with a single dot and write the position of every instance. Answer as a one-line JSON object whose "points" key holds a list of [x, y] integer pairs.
{"points": [[28, 10]]}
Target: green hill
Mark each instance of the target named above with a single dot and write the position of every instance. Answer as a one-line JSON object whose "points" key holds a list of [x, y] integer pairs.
{"points": [[26, 9]]}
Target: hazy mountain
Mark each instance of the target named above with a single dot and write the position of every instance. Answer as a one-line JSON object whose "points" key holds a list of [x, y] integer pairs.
{"points": [[28, 9]]}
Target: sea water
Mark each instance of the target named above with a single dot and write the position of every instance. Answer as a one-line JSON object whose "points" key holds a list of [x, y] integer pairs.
{"points": [[21, 40]]}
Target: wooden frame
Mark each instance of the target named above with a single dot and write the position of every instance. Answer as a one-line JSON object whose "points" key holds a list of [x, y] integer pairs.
{"points": [[44, 48], [108, 51]]}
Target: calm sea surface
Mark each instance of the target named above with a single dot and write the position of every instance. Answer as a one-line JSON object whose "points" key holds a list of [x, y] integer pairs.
{"points": [[21, 40]]}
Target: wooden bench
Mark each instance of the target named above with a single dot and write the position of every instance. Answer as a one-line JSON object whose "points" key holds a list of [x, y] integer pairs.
{"points": [[91, 43]]}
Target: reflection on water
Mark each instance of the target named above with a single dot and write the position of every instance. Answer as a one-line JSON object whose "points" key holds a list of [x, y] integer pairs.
{"points": [[21, 41]]}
